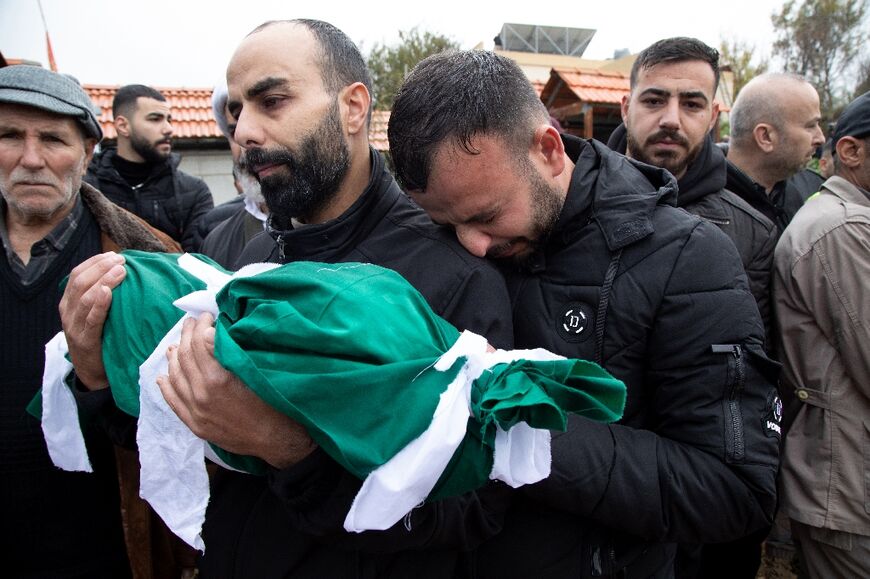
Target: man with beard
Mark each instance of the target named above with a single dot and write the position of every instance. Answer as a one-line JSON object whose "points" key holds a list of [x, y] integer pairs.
{"points": [[299, 92], [612, 272], [141, 174], [774, 133], [667, 120]]}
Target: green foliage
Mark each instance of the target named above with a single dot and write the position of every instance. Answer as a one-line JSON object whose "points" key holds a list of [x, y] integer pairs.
{"points": [[738, 57], [822, 40], [390, 64]]}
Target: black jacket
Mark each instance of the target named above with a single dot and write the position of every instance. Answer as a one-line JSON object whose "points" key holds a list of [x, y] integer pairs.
{"points": [[702, 192], [169, 200], [228, 237], [274, 526], [783, 201], [626, 279]]}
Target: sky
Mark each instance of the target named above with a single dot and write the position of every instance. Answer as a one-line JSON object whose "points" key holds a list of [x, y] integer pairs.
{"points": [[188, 43]]}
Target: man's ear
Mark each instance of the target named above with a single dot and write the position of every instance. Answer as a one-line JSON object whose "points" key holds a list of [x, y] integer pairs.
{"points": [[714, 115], [89, 145], [122, 125], [852, 152], [355, 102], [766, 137], [548, 147], [624, 107]]}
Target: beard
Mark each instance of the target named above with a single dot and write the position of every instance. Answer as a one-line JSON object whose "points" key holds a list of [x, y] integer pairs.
{"points": [[314, 172], [148, 150], [670, 160], [546, 205]]}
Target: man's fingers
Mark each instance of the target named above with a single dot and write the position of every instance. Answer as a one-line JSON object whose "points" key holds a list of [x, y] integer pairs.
{"points": [[202, 346]]}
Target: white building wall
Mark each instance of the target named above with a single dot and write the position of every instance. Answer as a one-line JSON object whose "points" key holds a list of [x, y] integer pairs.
{"points": [[213, 167]]}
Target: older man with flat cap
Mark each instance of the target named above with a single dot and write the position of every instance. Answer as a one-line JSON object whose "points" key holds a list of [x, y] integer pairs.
{"points": [[54, 524], [821, 268]]}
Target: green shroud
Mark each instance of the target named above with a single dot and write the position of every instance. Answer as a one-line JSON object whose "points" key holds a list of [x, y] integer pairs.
{"points": [[347, 351]]}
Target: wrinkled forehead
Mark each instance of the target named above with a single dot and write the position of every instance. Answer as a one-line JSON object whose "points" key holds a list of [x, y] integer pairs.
{"points": [[24, 117]]}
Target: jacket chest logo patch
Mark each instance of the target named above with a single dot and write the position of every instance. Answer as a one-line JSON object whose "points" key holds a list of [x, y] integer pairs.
{"points": [[772, 421], [574, 322]]}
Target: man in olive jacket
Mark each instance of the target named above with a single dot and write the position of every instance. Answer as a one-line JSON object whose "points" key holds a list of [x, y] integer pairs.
{"points": [[822, 304]]}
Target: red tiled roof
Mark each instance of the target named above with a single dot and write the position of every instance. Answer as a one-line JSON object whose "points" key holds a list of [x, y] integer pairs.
{"points": [[378, 130], [594, 86], [190, 108], [539, 86], [192, 116]]}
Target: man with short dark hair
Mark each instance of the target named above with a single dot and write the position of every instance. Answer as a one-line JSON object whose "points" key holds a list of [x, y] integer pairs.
{"points": [[668, 116], [667, 119], [821, 270], [603, 268], [299, 93], [141, 174], [55, 523], [774, 133]]}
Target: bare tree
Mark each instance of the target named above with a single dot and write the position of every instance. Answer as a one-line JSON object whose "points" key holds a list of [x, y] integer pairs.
{"points": [[822, 40], [738, 56]]}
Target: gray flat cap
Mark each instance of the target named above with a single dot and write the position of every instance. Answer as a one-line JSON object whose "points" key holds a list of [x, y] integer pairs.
{"points": [[43, 89]]}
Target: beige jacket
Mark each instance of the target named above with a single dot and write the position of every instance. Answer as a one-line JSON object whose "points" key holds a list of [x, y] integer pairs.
{"points": [[822, 302]]}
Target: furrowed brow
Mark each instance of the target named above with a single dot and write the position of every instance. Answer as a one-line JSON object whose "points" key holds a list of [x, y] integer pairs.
{"points": [[265, 85]]}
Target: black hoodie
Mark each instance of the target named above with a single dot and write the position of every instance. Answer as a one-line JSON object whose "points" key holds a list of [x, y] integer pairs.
{"points": [[702, 192]]}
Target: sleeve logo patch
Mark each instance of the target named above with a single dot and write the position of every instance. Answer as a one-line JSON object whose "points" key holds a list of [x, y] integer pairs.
{"points": [[773, 418]]}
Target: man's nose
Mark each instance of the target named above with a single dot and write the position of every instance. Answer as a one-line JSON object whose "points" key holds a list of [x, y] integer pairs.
{"points": [[670, 115], [249, 132], [476, 242]]}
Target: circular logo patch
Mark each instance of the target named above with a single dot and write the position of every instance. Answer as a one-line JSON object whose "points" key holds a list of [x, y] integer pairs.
{"points": [[575, 322]]}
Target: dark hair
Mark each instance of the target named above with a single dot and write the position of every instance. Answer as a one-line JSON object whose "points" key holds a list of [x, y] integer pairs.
{"points": [[458, 95], [677, 49], [341, 63], [125, 99]]}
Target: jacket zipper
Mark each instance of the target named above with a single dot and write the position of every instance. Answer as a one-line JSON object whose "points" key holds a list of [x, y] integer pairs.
{"points": [[734, 414]]}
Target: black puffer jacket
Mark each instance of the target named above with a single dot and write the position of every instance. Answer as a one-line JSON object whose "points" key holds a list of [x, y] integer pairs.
{"points": [[702, 192], [169, 200], [627, 279]]}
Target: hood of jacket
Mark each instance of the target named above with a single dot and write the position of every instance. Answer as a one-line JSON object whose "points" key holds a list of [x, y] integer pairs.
{"points": [[618, 193], [706, 174]]}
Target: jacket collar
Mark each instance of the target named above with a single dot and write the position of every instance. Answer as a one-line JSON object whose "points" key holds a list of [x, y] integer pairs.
{"points": [[706, 174], [618, 193], [331, 240], [847, 191], [102, 163]]}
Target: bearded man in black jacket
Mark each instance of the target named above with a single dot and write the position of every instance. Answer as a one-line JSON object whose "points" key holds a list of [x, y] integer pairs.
{"points": [[603, 267], [141, 174], [667, 120]]}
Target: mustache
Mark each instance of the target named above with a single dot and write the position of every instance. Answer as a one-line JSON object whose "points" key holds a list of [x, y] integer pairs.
{"points": [[256, 157], [674, 136]]}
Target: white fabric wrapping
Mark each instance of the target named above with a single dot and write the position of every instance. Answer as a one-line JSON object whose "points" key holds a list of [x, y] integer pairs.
{"points": [[60, 415], [522, 455], [173, 478]]}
